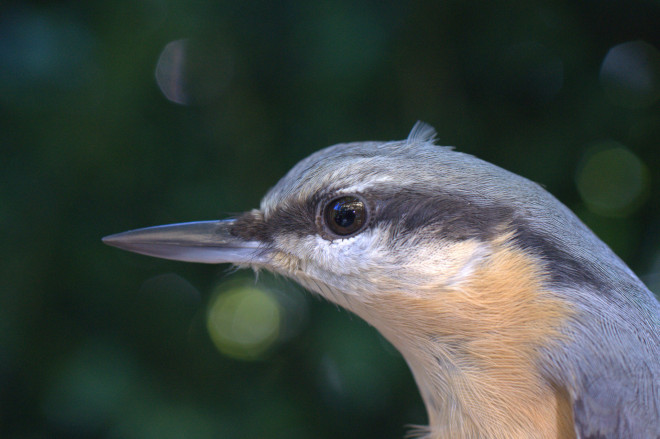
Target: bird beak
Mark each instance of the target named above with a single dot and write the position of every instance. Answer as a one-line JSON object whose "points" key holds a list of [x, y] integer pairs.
{"points": [[209, 242]]}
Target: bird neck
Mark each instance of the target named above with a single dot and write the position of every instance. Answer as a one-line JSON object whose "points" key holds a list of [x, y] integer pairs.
{"points": [[477, 350]]}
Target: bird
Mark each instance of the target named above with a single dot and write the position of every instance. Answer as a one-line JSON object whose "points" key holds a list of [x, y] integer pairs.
{"points": [[514, 318]]}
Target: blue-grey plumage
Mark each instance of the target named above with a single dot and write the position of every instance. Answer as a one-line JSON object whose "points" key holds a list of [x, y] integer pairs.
{"points": [[515, 319]]}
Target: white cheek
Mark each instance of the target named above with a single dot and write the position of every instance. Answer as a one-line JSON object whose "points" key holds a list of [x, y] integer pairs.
{"points": [[332, 267], [343, 256], [325, 259], [444, 266]]}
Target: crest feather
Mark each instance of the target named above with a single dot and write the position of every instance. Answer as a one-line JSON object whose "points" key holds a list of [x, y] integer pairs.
{"points": [[421, 132]]}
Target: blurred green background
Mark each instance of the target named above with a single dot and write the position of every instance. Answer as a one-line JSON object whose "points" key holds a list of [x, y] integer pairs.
{"points": [[124, 114]]}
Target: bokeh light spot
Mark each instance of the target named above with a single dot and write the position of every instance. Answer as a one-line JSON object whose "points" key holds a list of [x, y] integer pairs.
{"points": [[244, 322], [170, 72], [194, 72], [90, 388], [612, 181], [630, 74], [42, 54]]}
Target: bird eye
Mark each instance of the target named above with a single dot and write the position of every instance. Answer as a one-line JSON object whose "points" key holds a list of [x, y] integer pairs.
{"points": [[345, 215]]}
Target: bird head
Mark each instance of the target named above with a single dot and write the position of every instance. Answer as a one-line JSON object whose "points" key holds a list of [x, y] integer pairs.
{"points": [[478, 276], [357, 220]]}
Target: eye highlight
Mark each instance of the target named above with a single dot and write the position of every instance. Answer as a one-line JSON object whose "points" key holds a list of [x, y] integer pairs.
{"points": [[345, 216]]}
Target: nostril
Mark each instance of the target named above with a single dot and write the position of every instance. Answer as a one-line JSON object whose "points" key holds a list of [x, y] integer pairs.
{"points": [[251, 227]]}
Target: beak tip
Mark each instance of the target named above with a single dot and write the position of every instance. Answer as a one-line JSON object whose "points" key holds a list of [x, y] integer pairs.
{"points": [[207, 242], [109, 240], [114, 240]]}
